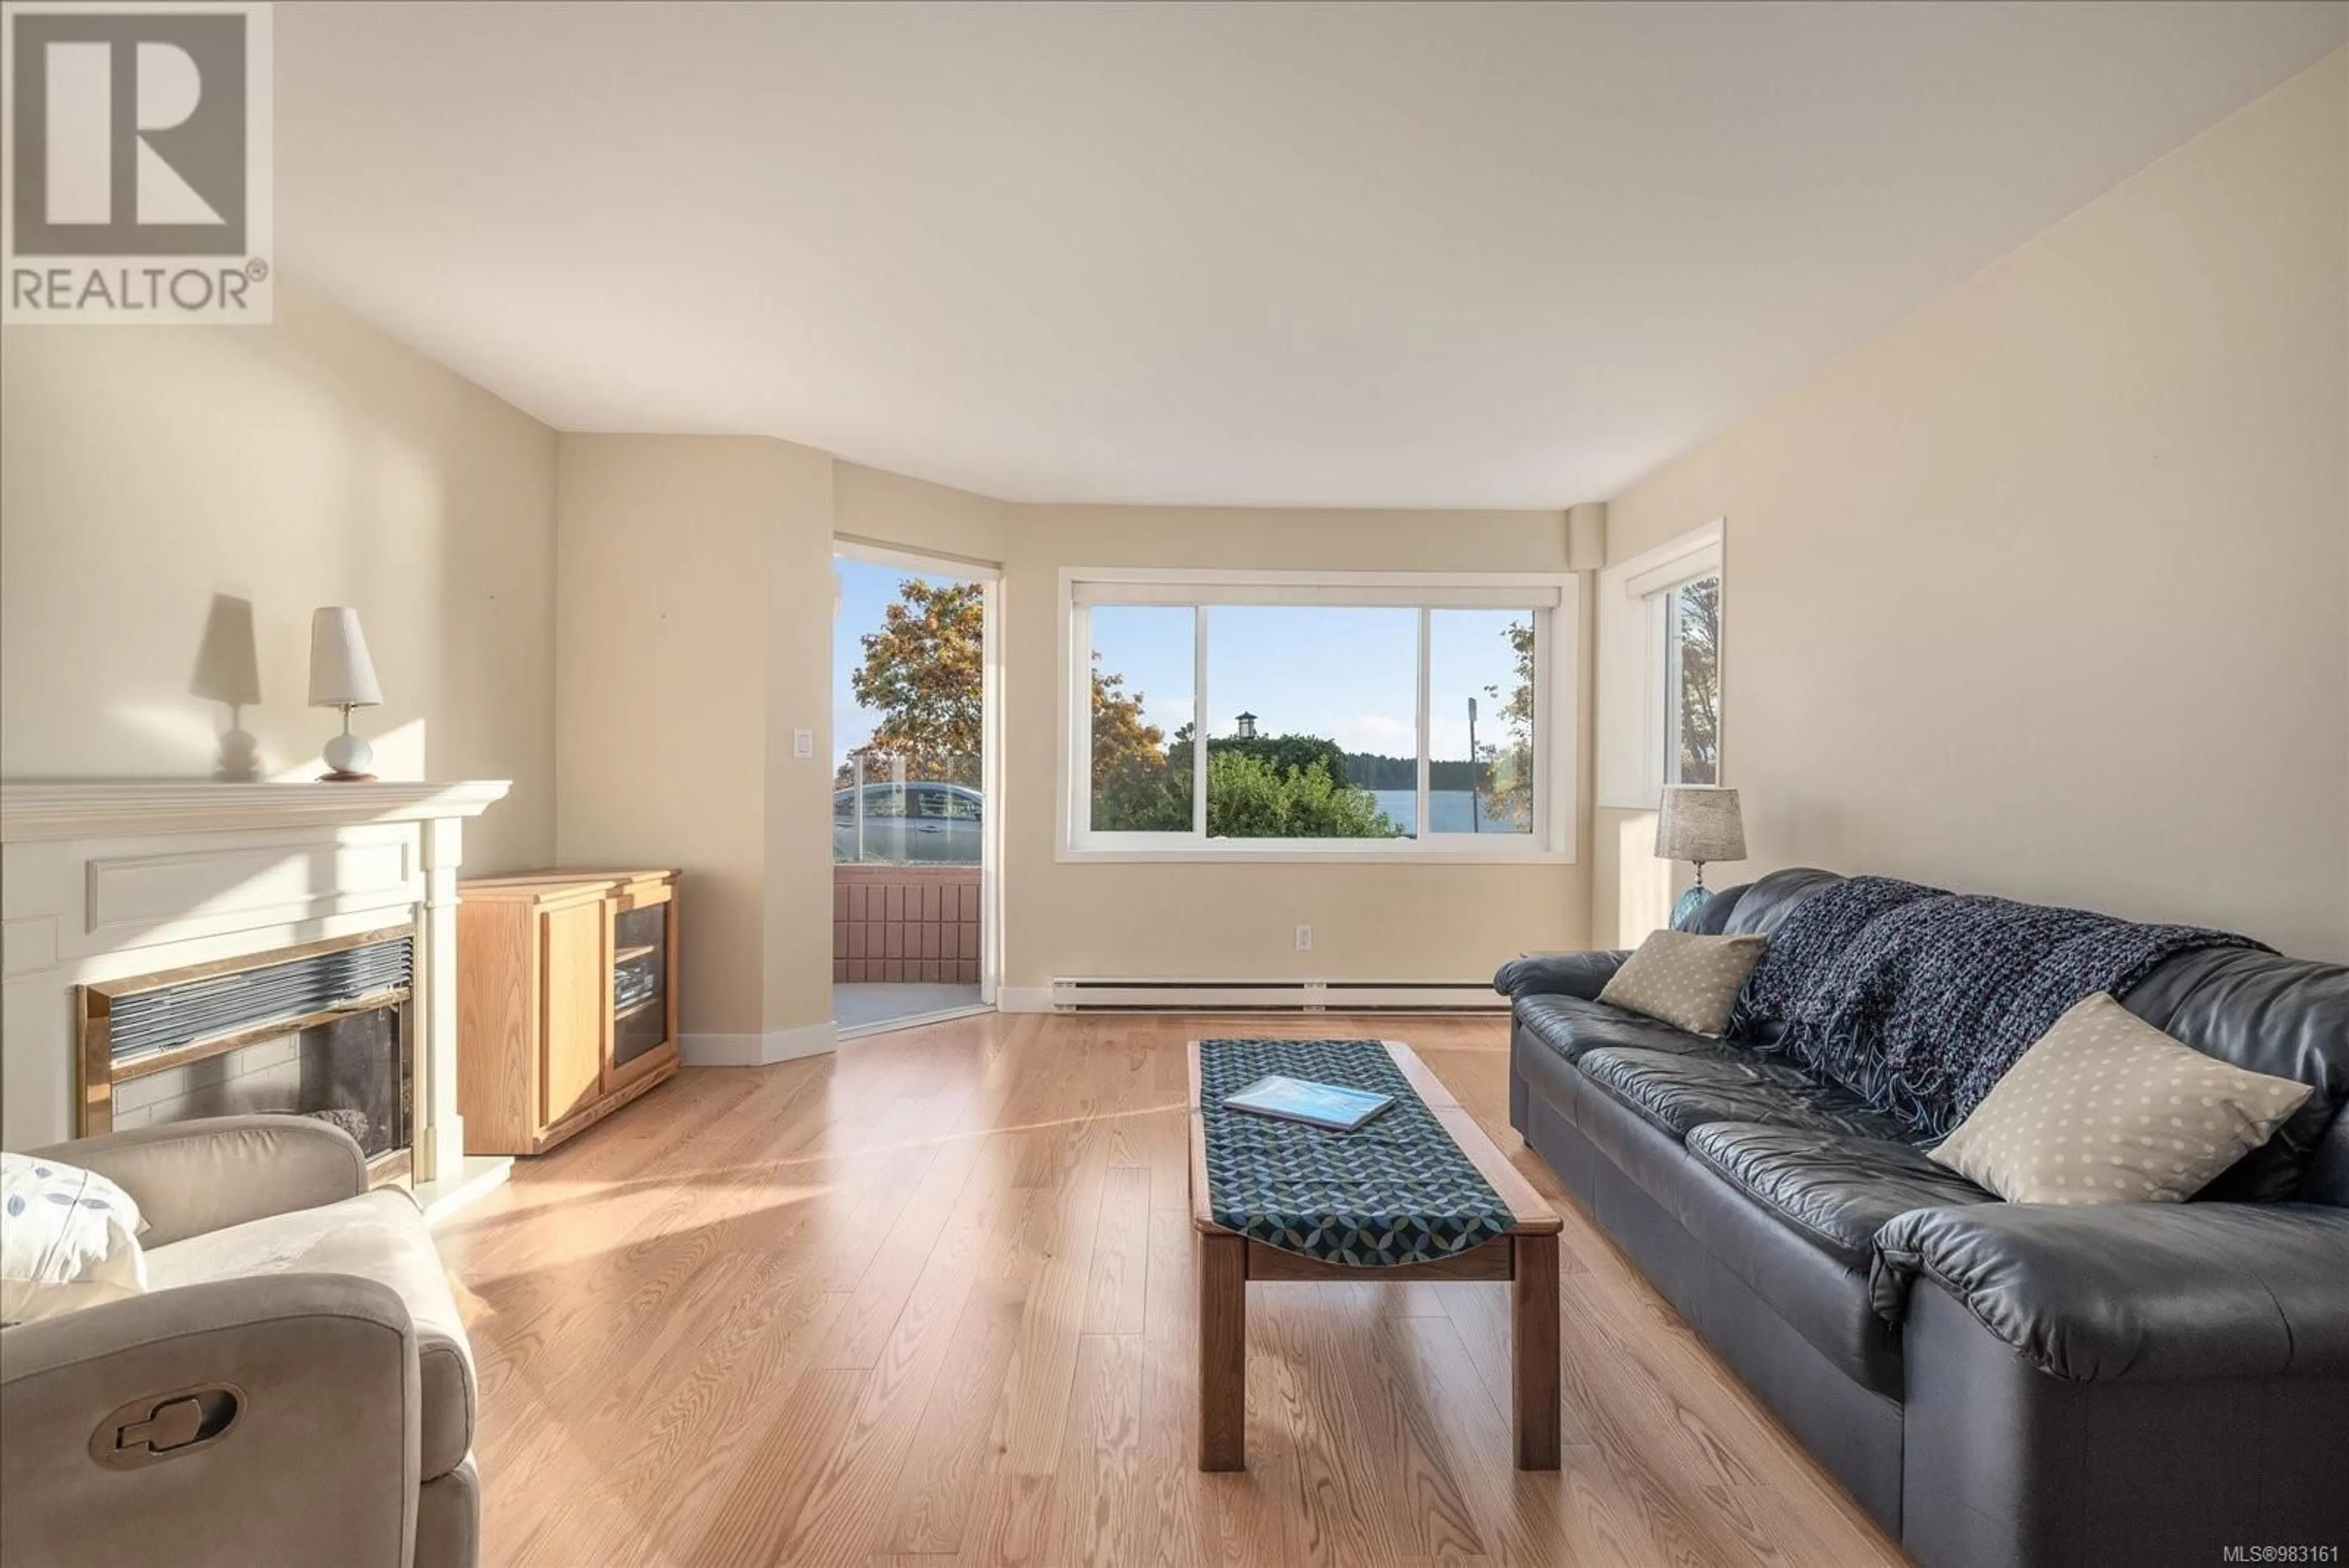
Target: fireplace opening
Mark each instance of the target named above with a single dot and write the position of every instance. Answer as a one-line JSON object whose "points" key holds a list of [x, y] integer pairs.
{"points": [[322, 1031]]}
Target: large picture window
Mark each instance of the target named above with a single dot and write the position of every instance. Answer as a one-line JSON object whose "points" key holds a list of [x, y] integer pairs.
{"points": [[1213, 715]]}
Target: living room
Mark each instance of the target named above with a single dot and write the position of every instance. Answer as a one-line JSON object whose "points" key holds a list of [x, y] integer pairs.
{"points": [[688, 689]]}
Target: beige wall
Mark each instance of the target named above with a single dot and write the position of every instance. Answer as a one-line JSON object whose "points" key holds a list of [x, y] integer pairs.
{"points": [[879, 507], [1218, 922], [798, 937], [694, 592], [2040, 592], [311, 462]]}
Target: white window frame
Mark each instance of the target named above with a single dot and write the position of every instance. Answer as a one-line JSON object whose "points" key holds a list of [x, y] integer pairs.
{"points": [[1637, 665], [1552, 598]]}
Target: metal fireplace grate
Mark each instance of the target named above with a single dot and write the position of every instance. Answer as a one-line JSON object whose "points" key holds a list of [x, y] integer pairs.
{"points": [[145, 1023]]}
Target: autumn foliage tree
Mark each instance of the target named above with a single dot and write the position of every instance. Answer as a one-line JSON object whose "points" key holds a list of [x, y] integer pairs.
{"points": [[921, 673], [1124, 741], [1135, 787]]}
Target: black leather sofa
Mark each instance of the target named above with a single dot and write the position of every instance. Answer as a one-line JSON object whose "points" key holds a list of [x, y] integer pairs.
{"points": [[1997, 1384]]}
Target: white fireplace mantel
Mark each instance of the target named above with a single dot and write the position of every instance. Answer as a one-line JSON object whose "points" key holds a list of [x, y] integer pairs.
{"points": [[104, 879], [71, 808]]}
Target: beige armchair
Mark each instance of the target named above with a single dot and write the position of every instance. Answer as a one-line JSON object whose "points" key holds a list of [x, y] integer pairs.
{"points": [[295, 1387]]}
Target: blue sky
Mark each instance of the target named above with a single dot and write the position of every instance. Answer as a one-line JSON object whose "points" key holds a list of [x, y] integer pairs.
{"points": [[1350, 674]]}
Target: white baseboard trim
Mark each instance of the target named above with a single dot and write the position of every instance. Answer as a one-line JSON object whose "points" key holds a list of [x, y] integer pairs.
{"points": [[1023, 999], [479, 1174], [1168, 995], [808, 1040], [722, 1050], [755, 1049]]}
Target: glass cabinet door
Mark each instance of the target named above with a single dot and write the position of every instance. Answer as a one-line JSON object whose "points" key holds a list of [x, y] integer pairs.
{"points": [[640, 955]]}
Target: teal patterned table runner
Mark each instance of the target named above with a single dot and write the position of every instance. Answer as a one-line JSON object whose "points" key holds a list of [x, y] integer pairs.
{"points": [[1394, 1190]]}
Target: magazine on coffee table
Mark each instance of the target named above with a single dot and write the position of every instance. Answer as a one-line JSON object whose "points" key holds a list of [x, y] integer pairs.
{"points": [[1330, 1106]]}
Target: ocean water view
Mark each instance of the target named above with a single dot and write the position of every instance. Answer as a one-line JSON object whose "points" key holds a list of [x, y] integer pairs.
{"points": [[1448, 811]]}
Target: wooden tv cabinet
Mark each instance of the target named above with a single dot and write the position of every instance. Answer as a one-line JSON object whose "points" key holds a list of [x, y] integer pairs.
{"points": [[566, 1001]]}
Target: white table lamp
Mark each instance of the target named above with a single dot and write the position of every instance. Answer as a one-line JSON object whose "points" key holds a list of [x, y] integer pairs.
{"points": [[343, 676]]}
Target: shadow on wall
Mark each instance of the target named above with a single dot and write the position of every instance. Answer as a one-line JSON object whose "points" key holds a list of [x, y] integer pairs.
{"points": [[228, 672]]}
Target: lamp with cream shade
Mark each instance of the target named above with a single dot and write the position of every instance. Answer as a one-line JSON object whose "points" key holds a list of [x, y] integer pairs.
{"points": [[343, 676], [1698, 823]]}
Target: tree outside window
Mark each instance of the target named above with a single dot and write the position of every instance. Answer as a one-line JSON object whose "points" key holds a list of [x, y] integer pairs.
{"points": [[1693, 635]]}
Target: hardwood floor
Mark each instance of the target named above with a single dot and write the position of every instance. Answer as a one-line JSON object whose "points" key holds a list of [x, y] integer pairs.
{"points": [[931, 1300]]}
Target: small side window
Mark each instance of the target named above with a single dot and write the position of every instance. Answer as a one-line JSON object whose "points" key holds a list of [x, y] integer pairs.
{"points": [[1692, 683]]}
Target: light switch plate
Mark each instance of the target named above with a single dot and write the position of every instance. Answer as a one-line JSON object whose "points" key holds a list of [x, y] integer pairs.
{"points": [[803, 742]]}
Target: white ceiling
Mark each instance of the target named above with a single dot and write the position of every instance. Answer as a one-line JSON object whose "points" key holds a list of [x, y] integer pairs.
{"points": [[1317, 254]]}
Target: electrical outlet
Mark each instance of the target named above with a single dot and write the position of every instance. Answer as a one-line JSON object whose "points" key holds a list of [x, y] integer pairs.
{"points": [[1305, 938], [803, 742]]}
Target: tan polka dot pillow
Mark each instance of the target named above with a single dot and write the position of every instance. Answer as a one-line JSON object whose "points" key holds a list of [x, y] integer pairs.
{"points": [[2106, 1108], [1684, 980]]}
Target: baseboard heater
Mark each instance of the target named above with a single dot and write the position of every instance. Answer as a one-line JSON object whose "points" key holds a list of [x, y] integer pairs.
{"points": [[1275, 996]]}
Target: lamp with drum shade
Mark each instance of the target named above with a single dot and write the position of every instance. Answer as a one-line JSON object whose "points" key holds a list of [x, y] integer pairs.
{"points": [[1701, 823]]}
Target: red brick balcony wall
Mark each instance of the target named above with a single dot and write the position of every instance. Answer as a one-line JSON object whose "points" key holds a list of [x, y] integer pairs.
{"points": [[906, 924]]}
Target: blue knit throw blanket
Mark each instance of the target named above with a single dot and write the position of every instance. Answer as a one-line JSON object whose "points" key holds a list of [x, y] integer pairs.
{"points": [[1919, 1000]]}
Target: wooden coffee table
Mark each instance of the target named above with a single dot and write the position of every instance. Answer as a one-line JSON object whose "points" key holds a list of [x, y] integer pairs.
{"points": [[1525, 1255]]}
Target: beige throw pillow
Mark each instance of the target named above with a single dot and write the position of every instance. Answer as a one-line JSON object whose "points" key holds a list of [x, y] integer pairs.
{"points": [[2106, 1108], [1684, 980]]}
